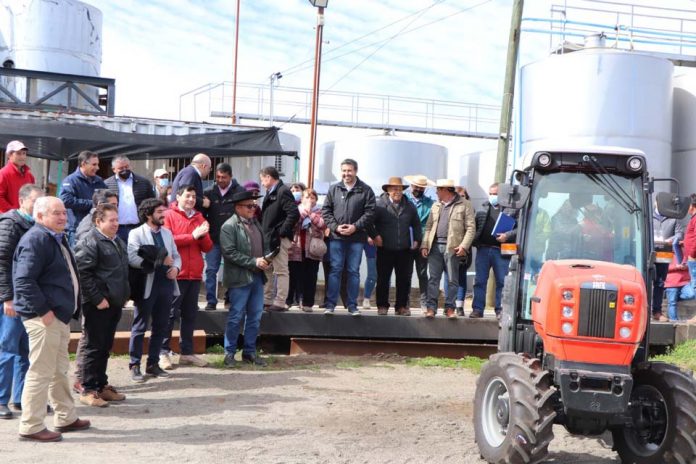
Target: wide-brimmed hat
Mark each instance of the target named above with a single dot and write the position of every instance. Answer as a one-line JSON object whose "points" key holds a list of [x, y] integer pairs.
{"points": [[446, 183], [241, 196], [419, 180], [394, 182]]}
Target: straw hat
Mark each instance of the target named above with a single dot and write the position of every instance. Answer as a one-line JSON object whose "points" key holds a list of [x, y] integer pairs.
{"points": [[419, 180], [445, 183], [394, 182]]}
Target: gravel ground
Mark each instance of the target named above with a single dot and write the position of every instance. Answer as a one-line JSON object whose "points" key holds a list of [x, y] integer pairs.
{"points": [[305, 409]]}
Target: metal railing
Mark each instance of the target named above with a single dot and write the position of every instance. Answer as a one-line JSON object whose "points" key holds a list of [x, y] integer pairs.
{"points": [[361, 110], [39, 90]]}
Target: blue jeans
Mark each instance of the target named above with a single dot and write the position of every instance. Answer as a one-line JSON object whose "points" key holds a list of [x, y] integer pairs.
{"points": [[244, 301], [487, 258], [14, 359], [659, 286], [212, 266], [371, 278], [461, 291], [676, 294], [346, 255]]}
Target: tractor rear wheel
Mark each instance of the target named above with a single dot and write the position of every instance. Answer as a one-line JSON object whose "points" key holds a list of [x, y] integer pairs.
{"points": [[513, 410], [663, 409]]}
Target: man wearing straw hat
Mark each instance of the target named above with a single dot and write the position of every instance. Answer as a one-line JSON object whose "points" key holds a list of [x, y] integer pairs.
{"points": [[449, 233], [423, 204]]}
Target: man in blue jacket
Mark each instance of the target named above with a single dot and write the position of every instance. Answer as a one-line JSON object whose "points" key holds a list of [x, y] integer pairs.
{"points": [[78, 188], [46, 296], [423, 204]]}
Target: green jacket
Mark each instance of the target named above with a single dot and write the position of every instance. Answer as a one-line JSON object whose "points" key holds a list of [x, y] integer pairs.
{"points": [[236, 251]]}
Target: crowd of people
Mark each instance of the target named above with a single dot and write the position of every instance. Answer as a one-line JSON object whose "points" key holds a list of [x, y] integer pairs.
{"points": [[101, 243]]}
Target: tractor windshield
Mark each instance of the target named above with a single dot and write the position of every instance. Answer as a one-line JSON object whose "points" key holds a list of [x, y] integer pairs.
{"points": [[572, 216]]}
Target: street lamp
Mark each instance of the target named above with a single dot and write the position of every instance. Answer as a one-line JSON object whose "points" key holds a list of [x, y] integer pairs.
{"points": [[320, 4]]}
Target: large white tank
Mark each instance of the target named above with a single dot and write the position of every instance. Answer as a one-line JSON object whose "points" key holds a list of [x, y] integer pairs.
{"points": [[684, 135], [383, 156], [599, 97], [63, 36], [477, 172], [248, 167]]}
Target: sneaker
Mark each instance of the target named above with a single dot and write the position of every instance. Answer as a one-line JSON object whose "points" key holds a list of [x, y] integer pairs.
{"points": [[229, 360], [449, 312], [382, 311], [430, 313], [306, 309], [460, 312], [405, 312], [366, 303], [156, 371], [135, 375], [210, 307], [109, 393], [165, 361], [354, 312], [91, 398], [329, 311], [192, 360]]}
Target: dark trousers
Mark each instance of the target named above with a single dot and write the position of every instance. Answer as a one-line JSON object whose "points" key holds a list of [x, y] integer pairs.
{"points": [[422, 273], [158, 307], [401, 263], [659, 286], [100, 328], [309, 268], [185, 307], [296, 283]]}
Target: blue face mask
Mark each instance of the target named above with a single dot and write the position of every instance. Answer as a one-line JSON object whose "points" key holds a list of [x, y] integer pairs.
{"points": [[493, 200], [297, 196], [164, 183]]}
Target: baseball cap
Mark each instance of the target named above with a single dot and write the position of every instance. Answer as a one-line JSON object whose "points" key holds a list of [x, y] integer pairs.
{"points": [[15, 145], [161, 172]]}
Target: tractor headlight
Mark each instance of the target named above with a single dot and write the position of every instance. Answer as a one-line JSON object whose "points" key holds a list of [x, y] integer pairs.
{"points": [[544, 160], [567, 328], [629, 299], [634, 163], [624, 332], [567, 295], [567, 311], [627, 316]]}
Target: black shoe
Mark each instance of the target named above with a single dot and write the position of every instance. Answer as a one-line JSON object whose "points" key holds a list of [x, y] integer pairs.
{"points": [[5, 412], [229, 360], [156, 371], [460, 312], [255, 360], [210, 307], [16, 406], [136, 375], [475, 315]]}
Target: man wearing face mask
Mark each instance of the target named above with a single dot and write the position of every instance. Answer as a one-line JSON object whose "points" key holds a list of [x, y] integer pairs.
{"points": [[161, 182], [220, 210], [488, 254], [132, 189]]}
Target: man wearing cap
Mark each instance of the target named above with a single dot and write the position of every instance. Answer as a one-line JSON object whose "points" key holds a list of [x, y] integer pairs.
{"points": [[242, 245], [160, 180], [220, 210], [423, 204], [193, 175], [15, 174], [348, 212], [397, 232], [132, 189], [449, 233]]}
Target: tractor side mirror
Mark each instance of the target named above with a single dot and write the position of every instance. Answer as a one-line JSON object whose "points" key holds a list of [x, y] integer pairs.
{"points": [[671, 206], [512, 196]]}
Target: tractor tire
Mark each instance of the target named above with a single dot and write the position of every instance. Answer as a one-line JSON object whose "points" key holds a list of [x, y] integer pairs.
{"points": [[513, 410], [665, 433]]}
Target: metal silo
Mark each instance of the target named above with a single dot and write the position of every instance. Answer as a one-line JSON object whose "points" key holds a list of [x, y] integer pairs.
{"points": [[684, 136], [599, 97]]}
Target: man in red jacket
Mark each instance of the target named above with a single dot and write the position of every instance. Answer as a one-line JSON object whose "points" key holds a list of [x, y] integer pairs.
{"points": [[15, 174], [190, 231], [690, 245]]}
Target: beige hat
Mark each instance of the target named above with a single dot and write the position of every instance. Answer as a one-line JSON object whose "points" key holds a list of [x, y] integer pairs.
{"points": [[445, 183], [419, 180], [394, 182], [15, 145], [161, 172]]}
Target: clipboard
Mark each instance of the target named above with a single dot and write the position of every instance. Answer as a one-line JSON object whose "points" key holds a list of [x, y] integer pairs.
{"points": [[503, 224]]}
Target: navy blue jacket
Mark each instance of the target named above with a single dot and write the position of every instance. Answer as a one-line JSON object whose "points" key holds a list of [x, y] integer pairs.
{"points": [[76, 193], [41, 277], [189, 176]]}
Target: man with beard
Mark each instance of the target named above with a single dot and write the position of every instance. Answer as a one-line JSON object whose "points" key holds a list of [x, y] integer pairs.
{"points": [[132, 189]]}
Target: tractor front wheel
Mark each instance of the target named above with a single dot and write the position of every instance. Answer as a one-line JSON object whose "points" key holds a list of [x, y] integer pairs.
{"points": [[513, 410], [663, 412]]}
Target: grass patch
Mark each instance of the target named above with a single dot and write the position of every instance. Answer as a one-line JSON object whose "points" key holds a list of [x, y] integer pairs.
{"points": [[682, 355], [348, 364], [215, 349], [471, 363]]}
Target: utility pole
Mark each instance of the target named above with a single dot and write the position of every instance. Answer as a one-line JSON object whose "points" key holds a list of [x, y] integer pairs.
{"points": [[236, 49], [315, 96], [508, 91]]}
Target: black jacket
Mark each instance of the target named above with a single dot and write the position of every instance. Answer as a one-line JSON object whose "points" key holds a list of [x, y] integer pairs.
{"points": [[12, 227], [221, 208], [142, 188], [355, 206], [103, 266], [41, 277], [482, 217], [279, 216], [188, 176], [397, 226]]}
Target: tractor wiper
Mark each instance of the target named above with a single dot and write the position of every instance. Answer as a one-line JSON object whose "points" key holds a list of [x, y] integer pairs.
{"points": [[611, 186]]}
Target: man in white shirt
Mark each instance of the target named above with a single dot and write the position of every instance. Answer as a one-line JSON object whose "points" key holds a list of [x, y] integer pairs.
{"points": [[132, 189]]}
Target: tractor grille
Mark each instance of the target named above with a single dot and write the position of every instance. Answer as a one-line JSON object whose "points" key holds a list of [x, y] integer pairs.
{"points": [[597, 310]]}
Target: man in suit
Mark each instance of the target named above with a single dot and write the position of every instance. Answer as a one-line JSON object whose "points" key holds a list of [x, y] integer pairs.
{"points": [[193, 174], [132, 189]]}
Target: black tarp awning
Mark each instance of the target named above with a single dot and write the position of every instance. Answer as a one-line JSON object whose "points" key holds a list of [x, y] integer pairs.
{"points": [[62, 140]]}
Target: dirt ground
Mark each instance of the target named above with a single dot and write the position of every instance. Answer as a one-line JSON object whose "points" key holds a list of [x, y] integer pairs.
{"points": [[304, 409]]}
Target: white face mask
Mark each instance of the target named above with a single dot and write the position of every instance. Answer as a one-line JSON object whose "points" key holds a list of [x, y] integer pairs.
{"points": [[164, 183]]}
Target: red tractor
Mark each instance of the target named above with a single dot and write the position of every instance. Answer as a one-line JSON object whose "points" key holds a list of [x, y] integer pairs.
{"points": [[574, 336]]}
